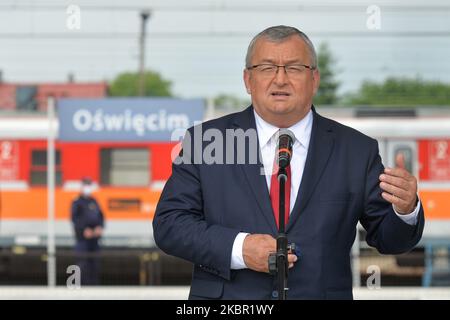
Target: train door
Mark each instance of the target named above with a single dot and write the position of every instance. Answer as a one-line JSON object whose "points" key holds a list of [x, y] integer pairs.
{"points": [[409, 150]]}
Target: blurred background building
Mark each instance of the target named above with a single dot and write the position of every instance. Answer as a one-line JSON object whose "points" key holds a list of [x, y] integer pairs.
{"points": [[20, 97]]}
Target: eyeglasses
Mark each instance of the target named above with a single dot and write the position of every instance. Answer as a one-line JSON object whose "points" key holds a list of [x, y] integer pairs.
{"points": [[270, 70]]}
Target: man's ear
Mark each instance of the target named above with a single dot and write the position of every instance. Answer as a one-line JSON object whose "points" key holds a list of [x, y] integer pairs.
{"points": [[316, 80], [247, 81]]}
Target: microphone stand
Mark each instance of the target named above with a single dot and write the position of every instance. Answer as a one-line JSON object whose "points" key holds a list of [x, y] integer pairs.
{"points": [[278, 261]]}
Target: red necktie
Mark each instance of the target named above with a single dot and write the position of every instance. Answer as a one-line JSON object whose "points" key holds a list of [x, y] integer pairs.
{"points": [[275, 193]]}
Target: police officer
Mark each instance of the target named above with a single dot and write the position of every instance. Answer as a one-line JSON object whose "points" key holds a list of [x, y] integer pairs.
{"points": [[88, 222]]}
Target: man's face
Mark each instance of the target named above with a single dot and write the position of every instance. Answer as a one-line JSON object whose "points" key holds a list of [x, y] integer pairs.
{"points": [[282, 99]]}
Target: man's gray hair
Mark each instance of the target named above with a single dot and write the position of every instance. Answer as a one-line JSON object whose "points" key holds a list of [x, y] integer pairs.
{"points": [[280, 34]]}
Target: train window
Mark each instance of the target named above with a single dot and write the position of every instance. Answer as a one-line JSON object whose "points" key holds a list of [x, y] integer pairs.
{"points": [[125, 167], [38, 173], [26, 98], [39, 158], [407, 154]]}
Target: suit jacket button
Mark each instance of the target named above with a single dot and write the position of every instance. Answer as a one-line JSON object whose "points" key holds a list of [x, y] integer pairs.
{"points": [[275, 294]]}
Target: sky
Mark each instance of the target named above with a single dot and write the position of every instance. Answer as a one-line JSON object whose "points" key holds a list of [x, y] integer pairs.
{"points": [[200, 45]]}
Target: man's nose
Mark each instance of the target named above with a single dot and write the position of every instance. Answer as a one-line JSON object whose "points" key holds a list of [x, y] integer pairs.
{"points": [[281, 77]]}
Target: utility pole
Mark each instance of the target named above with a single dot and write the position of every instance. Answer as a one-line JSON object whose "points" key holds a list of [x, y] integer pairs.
{"points": [[144, 17], [51, 247]]}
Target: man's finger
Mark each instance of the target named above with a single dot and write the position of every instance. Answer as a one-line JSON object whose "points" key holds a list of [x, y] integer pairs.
{"points": [[393, 199], [400, 160], [292, 258], [398, 172], [398, 192], [395, 181]]}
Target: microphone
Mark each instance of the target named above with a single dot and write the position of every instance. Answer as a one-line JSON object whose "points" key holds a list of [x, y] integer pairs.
{"points": [[284, 151]]}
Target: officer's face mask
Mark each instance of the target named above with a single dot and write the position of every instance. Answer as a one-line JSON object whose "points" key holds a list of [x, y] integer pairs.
{"points": [[86, 190]]}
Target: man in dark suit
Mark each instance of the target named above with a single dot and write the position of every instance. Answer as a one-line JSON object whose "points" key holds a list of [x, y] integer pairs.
{"points": [[219, 214]]}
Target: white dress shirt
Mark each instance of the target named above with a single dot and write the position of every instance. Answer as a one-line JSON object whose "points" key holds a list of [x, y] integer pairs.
{"points": [[266, 136]]}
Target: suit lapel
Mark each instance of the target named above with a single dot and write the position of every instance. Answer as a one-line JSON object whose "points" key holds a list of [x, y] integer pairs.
{"points": [[319, 151], [253, 173]]}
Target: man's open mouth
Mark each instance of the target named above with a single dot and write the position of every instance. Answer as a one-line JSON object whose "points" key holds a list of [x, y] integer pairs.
{"points": [[280, 94]]}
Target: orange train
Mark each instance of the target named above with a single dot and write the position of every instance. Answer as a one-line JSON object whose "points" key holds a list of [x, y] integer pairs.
{"points": [[128, 180], [129, 177]]}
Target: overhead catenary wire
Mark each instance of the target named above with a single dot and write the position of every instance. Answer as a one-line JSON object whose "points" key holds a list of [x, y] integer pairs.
{"points": [[206, 34], [224, 7]]}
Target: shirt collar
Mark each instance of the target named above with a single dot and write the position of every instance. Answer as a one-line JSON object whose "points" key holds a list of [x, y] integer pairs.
{"points": [[301, 129]]}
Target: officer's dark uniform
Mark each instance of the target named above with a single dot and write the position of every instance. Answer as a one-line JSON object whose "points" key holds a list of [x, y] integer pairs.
{"points": [[86, 213]]}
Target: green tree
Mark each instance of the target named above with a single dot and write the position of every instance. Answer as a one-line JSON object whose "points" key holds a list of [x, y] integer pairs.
{"points": [[126, 85], [328, 84], [228, 101], [401, 92]]}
